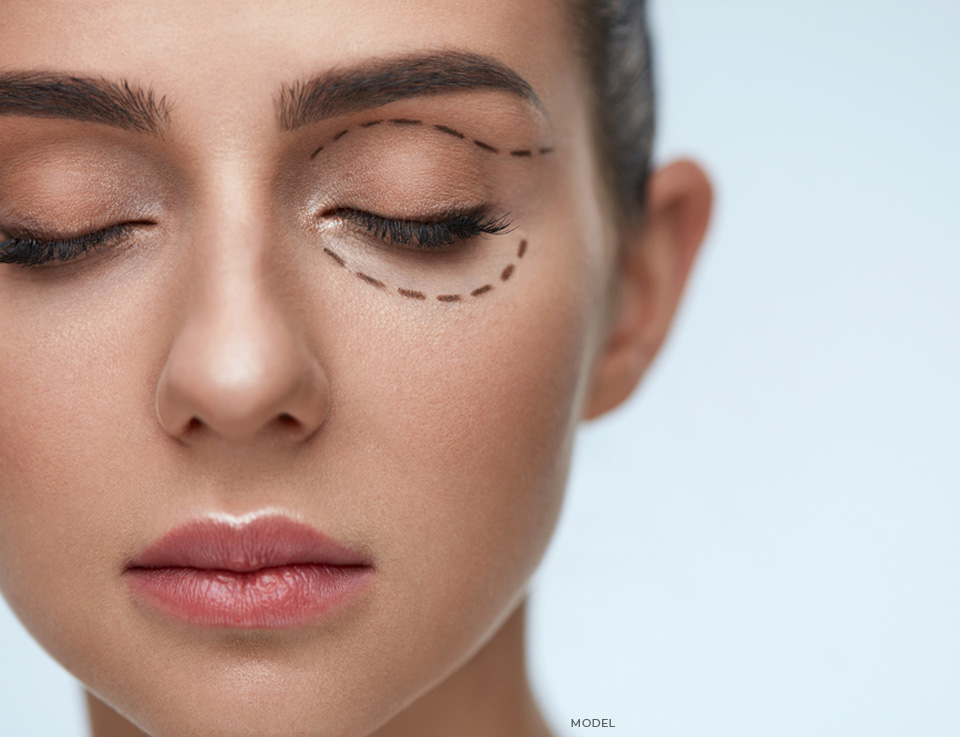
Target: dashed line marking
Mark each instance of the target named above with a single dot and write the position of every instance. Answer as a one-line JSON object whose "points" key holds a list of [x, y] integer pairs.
{"points": [[414, 294], [370, 280]]}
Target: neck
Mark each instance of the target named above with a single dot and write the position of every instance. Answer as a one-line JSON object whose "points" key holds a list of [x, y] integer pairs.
{"points": [[489, 695]]}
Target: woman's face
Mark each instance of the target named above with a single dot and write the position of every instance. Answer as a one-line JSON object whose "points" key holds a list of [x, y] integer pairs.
{"points": [[258, 337]]}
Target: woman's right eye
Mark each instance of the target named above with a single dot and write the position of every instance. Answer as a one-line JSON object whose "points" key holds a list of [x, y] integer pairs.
{"points": [[28, 249], [432, 233]]}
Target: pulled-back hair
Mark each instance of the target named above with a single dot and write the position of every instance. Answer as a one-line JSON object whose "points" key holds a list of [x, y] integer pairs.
{"points": [[616, 46]]}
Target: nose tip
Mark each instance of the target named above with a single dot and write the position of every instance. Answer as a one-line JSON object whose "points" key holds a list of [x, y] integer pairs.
{"points": [[239, 379]]}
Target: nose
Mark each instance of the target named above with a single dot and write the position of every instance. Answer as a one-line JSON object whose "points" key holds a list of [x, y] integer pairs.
{"points": [[239, 368]]}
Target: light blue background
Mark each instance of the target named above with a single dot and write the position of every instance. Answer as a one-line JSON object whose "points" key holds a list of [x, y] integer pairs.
{"points": [[763, 542]]}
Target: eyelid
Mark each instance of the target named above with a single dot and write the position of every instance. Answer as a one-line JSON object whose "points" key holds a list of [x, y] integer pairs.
{"points": [[428, 232], [36, 249]]}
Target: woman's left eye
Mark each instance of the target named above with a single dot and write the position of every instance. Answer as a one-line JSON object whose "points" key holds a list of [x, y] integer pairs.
{"points": [[35, 250], [437, 232]]}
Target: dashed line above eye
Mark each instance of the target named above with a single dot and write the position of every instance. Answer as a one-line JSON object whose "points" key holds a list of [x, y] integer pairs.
{"points": [[453, 132]]}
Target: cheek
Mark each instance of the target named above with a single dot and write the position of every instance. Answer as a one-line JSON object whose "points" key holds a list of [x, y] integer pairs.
{"points": [[460, 421], [446, 446], [72, 404]]}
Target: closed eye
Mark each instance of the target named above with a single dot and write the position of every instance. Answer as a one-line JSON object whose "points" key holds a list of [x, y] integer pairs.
{"points": [[29, 249], [438, 232]]}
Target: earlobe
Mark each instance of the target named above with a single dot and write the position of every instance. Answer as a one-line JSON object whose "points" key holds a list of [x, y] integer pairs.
{"points": [[656, 256]]}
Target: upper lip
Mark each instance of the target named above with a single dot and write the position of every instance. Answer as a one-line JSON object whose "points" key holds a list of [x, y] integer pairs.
{"points": [[264, 542]]}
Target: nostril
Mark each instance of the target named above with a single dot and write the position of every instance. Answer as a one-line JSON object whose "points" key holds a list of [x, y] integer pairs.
{"points": [[278, 388]]}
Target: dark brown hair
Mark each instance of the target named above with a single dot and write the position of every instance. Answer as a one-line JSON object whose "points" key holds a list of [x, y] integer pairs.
{"points": [[616, 45]]}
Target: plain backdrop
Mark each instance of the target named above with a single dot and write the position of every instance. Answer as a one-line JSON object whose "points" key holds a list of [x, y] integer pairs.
{"points": [[763, 541]]}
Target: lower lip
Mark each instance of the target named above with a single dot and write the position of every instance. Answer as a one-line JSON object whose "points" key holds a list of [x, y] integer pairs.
{"points": [[284, 596]]}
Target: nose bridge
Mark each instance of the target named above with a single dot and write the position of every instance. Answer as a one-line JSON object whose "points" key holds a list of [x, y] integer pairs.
{"points": [[237, 364]]}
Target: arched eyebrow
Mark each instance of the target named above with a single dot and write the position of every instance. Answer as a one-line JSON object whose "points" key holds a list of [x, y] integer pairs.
{"points": [[123, 104], [54, 95], [370, 85]]}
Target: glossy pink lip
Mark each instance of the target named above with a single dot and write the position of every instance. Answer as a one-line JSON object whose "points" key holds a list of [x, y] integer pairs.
{"points": [[271, 572]]}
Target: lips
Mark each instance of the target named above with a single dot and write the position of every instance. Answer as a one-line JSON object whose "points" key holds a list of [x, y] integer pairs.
{"points": [[262, 543], [271, 572]]}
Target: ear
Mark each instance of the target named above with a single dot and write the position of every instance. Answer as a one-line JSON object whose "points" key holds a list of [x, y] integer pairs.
{"points": [[656, 255]]}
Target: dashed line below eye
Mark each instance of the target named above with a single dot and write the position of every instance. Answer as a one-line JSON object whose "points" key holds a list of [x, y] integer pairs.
{"points": [[415, 294], [370, 280], [335, 256], [411, 293]]}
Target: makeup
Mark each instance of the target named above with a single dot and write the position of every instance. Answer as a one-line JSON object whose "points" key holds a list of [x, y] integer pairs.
{"points": [[423, 210]]}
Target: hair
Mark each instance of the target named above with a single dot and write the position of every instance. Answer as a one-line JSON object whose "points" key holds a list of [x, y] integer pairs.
{"points": [[616, 46]]}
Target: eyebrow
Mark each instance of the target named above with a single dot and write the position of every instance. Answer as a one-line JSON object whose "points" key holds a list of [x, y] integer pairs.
{"points": [[52, 95], [374, 84]]}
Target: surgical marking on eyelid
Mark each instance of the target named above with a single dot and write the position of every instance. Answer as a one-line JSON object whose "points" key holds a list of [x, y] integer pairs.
{"points": [[411, 293], [450, 131], [517, 153], [414, 294], [370, 280], [486, 146], [335, 256]]}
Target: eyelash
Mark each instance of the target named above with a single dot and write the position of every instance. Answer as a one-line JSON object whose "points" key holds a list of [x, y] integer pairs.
{"points": [[33, 250], [435, 234], [447, 230]]}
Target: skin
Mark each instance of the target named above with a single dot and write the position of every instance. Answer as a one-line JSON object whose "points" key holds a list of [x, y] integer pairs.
{"points": [[219, 362]]}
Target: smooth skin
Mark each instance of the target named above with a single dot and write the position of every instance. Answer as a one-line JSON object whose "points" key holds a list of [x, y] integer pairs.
{"points": [[219, 362]]}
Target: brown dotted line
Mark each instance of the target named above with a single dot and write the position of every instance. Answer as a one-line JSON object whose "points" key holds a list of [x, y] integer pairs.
{"points": [[413, 294], [519, 153]]}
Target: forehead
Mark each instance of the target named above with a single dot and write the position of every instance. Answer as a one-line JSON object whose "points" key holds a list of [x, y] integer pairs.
{"points": [[230, 58]]}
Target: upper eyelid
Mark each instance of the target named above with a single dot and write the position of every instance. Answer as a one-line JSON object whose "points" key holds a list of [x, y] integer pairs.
{"points": [[64, 250], [60, 238], [476, 143]]}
